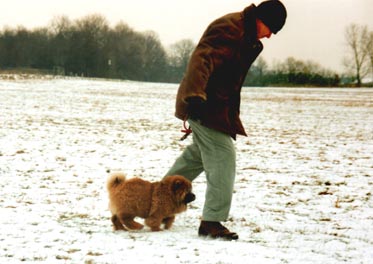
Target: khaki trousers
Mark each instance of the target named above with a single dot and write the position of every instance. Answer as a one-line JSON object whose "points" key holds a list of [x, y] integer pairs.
{"points": [[214, 153]]}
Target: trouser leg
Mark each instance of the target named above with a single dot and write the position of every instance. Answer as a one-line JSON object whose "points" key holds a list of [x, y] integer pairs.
{"points": [[214, 153], [218, 156], [189, 164]]}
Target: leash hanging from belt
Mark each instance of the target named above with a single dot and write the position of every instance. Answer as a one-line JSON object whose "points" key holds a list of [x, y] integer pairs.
{"points": [[187, 131]]}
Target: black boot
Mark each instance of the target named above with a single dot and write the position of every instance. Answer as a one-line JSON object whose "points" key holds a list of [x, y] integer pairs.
{"points": [[216, 230]]}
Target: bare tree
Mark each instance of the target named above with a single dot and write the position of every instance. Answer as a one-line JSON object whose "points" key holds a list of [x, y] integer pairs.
{"points": [[178, 57], [261, 66], [89, 39], [60, 28], [153, 57], [369, 49], [60, 25], [180, 52], [356, 60]]}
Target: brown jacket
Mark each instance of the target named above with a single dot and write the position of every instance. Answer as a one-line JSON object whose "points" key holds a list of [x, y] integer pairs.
{"points": [[217, 70]]}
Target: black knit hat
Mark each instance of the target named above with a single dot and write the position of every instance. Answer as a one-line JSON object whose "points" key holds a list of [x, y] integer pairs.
{"points": [[273, 14]]}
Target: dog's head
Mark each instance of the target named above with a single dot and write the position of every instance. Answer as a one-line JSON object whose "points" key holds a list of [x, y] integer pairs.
{"points": [[181, 188]]}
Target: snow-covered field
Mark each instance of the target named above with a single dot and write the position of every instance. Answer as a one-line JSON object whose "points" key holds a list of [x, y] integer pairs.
{"points": [[303, 193]]}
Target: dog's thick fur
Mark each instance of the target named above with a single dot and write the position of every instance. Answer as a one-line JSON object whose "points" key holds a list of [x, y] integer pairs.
{"points": [[156, 202]]}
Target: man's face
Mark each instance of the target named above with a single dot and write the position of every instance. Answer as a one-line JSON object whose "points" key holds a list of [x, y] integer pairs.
{"points": [[262, 30]]}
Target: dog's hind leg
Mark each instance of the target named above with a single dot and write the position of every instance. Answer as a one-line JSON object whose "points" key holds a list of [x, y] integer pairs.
{"points": [[117, 223], [130, 223]]}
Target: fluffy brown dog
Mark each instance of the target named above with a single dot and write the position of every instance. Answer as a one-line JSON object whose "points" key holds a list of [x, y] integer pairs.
{"points": [[156, 202]]}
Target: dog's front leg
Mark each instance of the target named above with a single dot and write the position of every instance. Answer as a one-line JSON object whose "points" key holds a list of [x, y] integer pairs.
{"points": [[154, 223]]}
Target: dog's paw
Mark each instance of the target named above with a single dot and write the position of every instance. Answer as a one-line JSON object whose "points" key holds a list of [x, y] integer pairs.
{"points": [[156, 228]]}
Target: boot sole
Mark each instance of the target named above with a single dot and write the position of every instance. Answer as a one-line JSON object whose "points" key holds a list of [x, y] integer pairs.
{"points": [[227, 237]]}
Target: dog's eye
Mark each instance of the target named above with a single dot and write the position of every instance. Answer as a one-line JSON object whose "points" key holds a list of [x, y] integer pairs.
{"points": [[177, 185]]}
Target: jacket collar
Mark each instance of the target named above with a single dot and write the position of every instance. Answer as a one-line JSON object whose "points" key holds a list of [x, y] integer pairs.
{"points": [[249, 14]]}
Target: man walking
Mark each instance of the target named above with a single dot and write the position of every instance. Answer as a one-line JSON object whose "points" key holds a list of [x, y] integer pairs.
{"points": [[209, 99]]}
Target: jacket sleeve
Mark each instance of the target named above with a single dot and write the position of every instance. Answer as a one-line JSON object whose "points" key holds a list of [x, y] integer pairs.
{"points": [[216, 46]]}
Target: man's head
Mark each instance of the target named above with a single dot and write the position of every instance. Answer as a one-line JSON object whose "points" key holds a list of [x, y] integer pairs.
{"points": [[273, 15]]}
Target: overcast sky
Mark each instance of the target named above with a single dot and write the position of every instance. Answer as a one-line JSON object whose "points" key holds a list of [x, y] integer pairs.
{"points": [[314, 28]]}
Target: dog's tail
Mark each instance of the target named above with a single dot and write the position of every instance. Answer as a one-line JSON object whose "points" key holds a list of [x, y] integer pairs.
{"points": [[114, 179]]}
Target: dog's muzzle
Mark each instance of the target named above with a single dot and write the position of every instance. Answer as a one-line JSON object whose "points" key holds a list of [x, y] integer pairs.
{"points": [[190, 197]]}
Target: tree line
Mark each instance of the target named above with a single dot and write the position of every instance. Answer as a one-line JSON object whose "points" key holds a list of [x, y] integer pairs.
{"points": [[90, 47], [358, 62], [291, 72]]}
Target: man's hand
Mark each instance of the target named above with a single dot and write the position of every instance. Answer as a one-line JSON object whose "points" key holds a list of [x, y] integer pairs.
{"points": [[195, 107]]}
